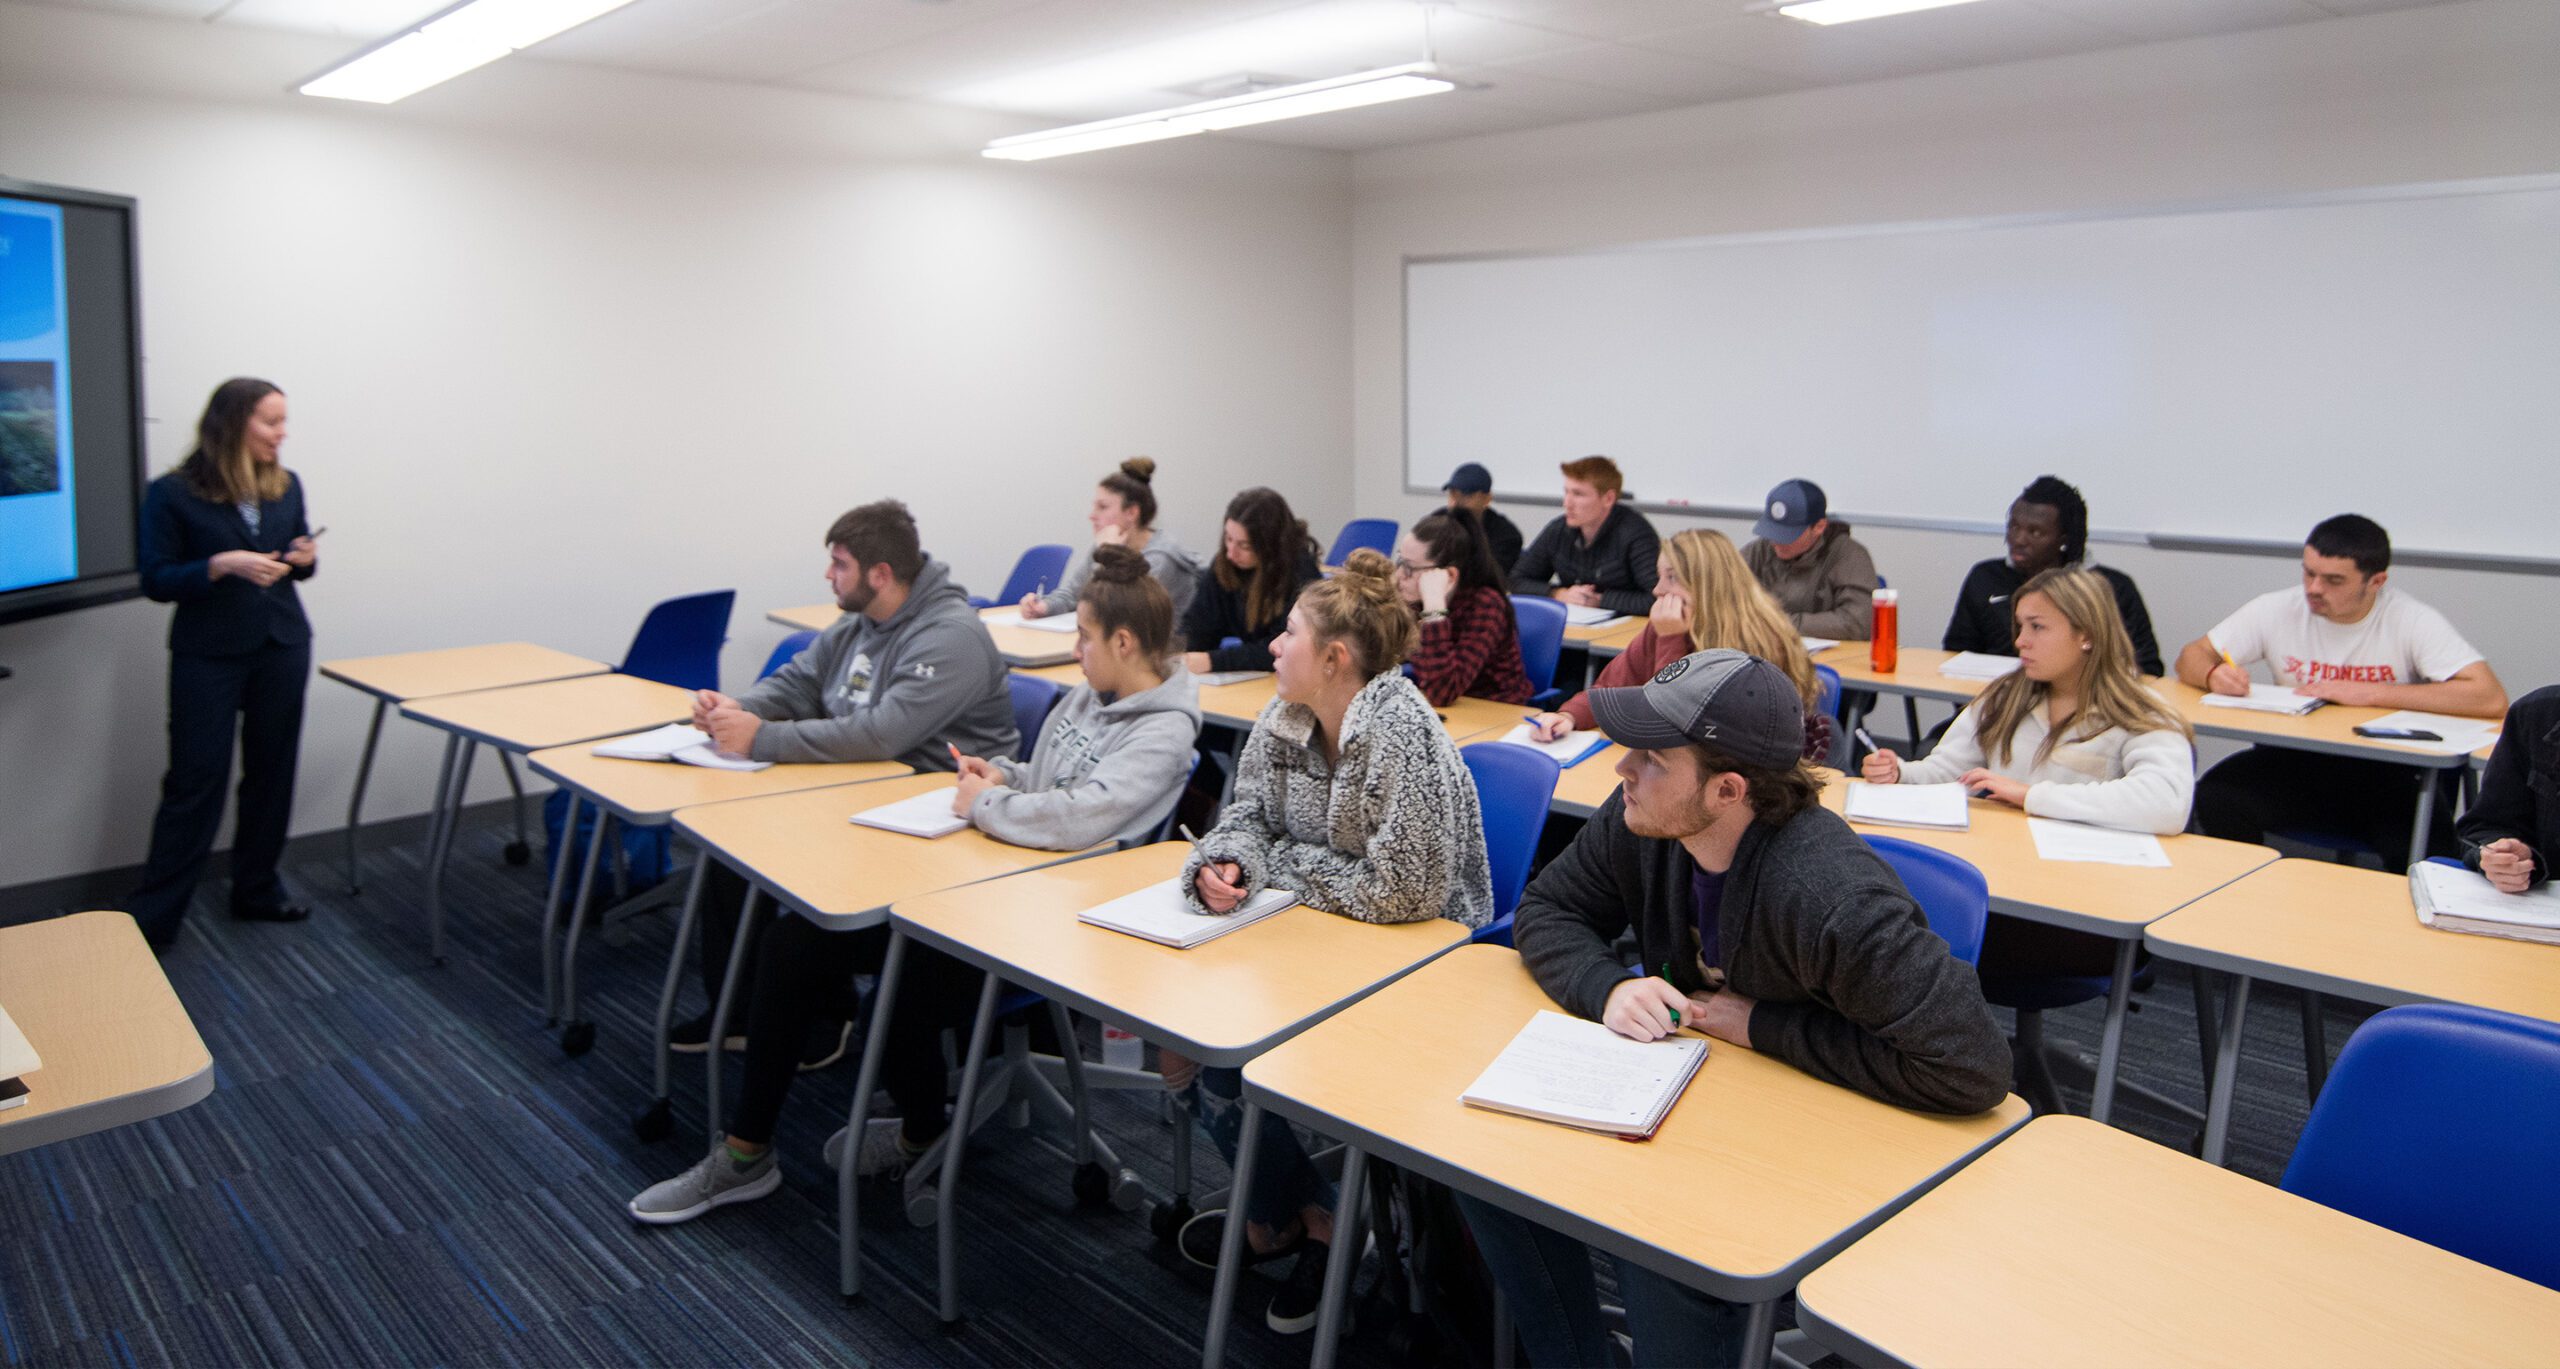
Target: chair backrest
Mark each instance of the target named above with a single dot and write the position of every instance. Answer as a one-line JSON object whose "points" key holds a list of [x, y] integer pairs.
{"points": [[1541, 623], [1514, 785], [1163, 831], [2437, 1122], [1038, 572], [787, 648], [1952, 894], [1377, 534], [1829, 687], [1032, 699], [679, 642]]}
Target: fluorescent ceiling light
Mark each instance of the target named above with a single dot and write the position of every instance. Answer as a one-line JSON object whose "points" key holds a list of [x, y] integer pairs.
{"points": [[1328, 35], [1236, 111], [451, 42], [1850, 11]]}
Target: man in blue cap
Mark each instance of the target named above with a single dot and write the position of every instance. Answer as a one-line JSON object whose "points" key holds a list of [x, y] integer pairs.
{"points": [[1816, 571], [1759, 918], [1470, 487]]}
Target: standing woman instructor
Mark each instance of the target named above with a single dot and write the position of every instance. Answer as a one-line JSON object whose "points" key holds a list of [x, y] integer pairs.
{"points": [[224, 538]]}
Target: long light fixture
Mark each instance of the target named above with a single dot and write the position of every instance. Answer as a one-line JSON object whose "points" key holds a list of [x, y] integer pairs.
{"points": [[1235, 111], [449, 43], [1850, 11]]}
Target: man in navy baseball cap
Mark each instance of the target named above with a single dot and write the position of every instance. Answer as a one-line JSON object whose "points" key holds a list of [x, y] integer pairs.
{"points": [[1810, 564], [1470, 487]]}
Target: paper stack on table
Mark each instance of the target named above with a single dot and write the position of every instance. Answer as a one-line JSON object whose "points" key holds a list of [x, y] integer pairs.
{"points": [[1160, 914], [2059, 840], [1815, 646], [2455, 900], [1581, 1074], [2461, 736], [1974, 665], [1941, 806], [682, 743], [1214, 678], [1567, 751], [2266, 698], [1577, 615], [924, 815]]}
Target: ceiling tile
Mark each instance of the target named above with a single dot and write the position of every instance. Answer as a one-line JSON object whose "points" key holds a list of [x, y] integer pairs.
{"points": [[1994, 31], [1793, 48], [1610, 19], [1640, 71], [2158, 19]]}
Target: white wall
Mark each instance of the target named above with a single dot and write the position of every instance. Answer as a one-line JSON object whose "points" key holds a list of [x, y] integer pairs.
{"points": [[2429, 94], [563, 342]]}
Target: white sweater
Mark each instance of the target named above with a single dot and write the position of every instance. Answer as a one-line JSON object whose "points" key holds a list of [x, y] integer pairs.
{"points": [[2133, 781]]}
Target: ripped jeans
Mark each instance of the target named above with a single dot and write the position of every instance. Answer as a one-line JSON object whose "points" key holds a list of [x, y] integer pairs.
{"points": [[1285, 1181]]}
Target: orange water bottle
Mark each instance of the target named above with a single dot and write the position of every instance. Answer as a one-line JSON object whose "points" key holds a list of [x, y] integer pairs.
{"points": [[1881, 646]]}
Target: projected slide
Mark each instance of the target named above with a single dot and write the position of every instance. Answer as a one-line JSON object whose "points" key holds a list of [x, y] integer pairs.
{"points": [[38, 530]]}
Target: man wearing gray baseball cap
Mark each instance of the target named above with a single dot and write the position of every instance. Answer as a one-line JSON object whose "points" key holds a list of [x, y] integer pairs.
{"points": [[1760, 919]]}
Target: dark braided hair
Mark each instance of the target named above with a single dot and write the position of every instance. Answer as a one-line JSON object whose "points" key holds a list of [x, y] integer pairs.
{"points": [[2057, 494]]}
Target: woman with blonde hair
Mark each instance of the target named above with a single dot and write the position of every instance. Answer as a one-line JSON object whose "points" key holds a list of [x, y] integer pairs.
{"points": [[1704, 596]]}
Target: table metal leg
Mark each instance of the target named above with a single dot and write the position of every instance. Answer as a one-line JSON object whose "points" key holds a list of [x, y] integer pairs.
{"points": [[955, 1143], [1079, 1092], [2208, 1022], [1346, 1254], [2426, 815], [675, 976], [558, 885], [355, 801], [578, 914], [2226, 1072], [2315, 1044], [1505, 1341], [715, 1048], [1760, 1334], [2102, 1091], [444, 849], [884, 1000], [515, 785], [1911, 720], [1222, 1297]]}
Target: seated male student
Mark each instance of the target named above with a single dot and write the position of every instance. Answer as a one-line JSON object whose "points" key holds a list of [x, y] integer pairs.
{"points": [[1470, 487], [907, 674], [2048, 527], [2346, 636], [1595, 554], [1759, 918], [2513, 833], [1817, 572]]}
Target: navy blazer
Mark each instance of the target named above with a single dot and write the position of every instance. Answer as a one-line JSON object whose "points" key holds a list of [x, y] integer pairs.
{"points": [[181, 532]]}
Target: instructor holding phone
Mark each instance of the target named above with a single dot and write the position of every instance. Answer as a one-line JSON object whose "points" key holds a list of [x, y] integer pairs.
{"points": [[224, 538]]}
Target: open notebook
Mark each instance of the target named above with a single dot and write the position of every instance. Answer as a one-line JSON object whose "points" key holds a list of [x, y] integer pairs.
{"points": [[2452, 900], [1974, 665], [2266, 698], [679, 742], [1567, 751], [924, 815], [1581, 1074], [1053, 622], [1590, 615], [1910, 805], [1158, 913]]}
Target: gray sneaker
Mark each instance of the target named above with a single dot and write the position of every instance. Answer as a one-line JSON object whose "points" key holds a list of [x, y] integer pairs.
{"points": [[883, 1155], [715, 1180]]}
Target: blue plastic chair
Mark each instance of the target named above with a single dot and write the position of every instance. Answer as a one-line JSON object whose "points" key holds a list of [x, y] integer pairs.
{"points": [[1032, 700], [679, 642], [1514, 785], [1377, 534], [1951, 892], [1541, 624], [2437, 1123], [1828, 689], [1037, 572], [787, 648]]}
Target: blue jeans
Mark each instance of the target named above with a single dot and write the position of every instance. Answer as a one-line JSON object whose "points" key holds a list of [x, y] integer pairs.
{"points": [[1545, 1278], [1284, 1179]]}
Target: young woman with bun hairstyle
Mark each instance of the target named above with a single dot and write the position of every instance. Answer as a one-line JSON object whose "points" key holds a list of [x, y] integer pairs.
{"points": [[1124, 515], [1351, 796]]}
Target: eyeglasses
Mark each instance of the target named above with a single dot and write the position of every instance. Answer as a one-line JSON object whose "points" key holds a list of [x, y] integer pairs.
{"points": [[1405, 567]]}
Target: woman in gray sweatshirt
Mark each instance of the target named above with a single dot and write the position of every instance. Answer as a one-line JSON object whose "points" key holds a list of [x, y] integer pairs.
{"points": [[1124, 515]]}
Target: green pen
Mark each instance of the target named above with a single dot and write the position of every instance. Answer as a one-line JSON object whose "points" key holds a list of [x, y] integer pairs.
{"points": [[1666, 978]]}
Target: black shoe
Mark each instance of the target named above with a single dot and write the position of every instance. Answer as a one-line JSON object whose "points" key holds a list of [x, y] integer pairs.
{"points": [[1199, 1237], [826, 1046], [693, 1037], [1294, 1307], [274, 912]]}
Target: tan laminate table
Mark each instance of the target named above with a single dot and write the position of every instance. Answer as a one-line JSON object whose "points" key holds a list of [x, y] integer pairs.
{"points": [[2340, 929], [807, 617], [2077, 1246], [116, 1044], [520, 720], [2113, 901], [1586, 784], [1760, 1173], [397, 679], [1240, 705], [647, 794], [1030, 647], [1220, 1003]]}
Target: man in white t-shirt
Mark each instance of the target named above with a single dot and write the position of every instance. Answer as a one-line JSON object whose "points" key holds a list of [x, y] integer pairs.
{"points": [[2350, 639]]}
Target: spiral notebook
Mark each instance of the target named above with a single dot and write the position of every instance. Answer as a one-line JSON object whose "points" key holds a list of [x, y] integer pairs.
{"points": [[2452, 900], [682, 743], [924, 815], [1160, 914], [1580, 1074], [1567, 751]]}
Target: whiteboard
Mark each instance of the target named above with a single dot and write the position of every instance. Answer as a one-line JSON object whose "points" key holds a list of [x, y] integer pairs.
{"points": [[2218, 371]]}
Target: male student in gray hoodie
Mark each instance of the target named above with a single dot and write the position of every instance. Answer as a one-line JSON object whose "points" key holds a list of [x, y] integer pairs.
{"points": [[1760, 918], [907, 674]]}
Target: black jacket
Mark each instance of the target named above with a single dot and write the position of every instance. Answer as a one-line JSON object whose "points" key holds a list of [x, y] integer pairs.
{"points": [[1852, 987], [1620, 561], [1982, 620], [2520, 793], [1217, 613], [181, 532], [1502, 536]]}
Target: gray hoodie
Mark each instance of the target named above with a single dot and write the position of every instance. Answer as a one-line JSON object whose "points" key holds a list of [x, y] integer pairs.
{"points": [[1173, 565], [903, 690], [1103, 769]]}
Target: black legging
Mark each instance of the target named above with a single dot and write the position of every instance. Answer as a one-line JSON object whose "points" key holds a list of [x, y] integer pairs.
{"points": [[804, 977]]}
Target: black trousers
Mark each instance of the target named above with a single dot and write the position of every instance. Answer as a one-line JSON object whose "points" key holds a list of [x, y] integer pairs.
{"points": [[804, 977], [2273, 789], [256, 700]]}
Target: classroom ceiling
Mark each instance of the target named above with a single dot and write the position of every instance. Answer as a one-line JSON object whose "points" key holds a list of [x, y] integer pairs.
{"points": [[1526, 62]]}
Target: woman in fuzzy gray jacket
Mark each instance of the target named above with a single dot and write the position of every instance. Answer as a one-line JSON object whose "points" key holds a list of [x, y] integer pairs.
{"points": [[1350, 795]]}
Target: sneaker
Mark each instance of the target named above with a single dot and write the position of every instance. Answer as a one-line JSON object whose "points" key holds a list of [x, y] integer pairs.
{"points": [[716, 1180], [1294, 1307], [884, 1153], [826, 1046], [693, 1037], [1199, 1237]]}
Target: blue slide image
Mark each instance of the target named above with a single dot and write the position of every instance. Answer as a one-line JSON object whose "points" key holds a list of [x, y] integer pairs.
{"points": [[29, 311], [39, 532]]}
